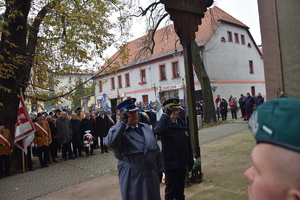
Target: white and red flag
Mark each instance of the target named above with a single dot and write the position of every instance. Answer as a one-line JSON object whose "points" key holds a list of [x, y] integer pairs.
{"points": [[24, 128]]}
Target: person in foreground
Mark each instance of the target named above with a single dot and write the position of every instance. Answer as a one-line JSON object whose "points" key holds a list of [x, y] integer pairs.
{"points": [[276, 157], [140, 162], [176, 149]]}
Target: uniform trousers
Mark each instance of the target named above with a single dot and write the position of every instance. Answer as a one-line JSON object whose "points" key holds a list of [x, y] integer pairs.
{"points": [[66, 148], [29, 159], [43, 154], [249, 111], [77, 148], [4, 163], [53, 148], [175, 180], [103, 146]]}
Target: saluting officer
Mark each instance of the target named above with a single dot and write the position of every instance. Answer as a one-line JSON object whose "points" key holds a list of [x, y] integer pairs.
{"points": [[140, 162], [42, 139], [5, 149], [176, 149]]}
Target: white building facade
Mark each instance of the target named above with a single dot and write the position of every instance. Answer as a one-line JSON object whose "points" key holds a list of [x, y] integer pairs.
{"points": [[66, 84], [231, 58]]}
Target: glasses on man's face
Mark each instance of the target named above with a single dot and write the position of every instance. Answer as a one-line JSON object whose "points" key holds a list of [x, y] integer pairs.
{"points": [[175, 110]]}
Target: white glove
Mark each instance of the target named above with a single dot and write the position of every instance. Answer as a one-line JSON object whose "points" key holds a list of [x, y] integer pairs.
{"points": [[49, 142], [32, 144], [35, 145]]}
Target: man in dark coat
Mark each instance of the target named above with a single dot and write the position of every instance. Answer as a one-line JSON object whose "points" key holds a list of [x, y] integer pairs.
{"points": [[176, 149], [57, 113], [223, 109], [65, 133], [102, 127], [140, 162], [259, 100], [112, 117], [242, 106], [77, 138], [249, 101], [54, 144], [88, 124]]}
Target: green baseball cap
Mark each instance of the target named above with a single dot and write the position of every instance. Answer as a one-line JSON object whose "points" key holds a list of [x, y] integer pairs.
{"points": [[277, 122]]}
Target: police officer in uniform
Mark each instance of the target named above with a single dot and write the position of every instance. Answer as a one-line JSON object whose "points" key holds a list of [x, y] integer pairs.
{"points": [[5, 149], [176, 149], [140, 163]]}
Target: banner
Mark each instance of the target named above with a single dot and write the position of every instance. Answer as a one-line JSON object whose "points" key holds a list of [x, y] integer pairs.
{"points": [[159, 110], [24, 128]]}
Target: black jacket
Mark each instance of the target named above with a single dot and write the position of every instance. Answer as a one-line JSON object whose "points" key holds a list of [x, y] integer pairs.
{"points": [[176, 143], [87, 124], [223, 106], [102, 126], [53, 130], [77, 137]]}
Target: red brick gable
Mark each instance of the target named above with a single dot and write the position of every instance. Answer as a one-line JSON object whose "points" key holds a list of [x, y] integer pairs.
{"points": [[166, 37]]}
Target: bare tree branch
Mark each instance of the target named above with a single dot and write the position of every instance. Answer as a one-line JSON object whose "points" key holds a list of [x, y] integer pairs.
{"points": [[70, 91]]}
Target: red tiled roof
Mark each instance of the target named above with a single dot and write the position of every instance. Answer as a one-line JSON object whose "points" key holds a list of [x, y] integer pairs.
{"points": [[166, 37]]}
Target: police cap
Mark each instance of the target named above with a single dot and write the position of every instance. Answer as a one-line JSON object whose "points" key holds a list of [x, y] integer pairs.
{"points": [[128, 104], [171, 103]]}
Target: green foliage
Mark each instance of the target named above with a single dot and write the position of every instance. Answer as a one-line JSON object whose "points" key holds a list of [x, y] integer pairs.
{"points": [[63, 37]]}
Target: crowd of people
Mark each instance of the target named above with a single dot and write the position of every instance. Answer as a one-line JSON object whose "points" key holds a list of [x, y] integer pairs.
{"points": [[57, 132], [246, 104], [141, 162]]}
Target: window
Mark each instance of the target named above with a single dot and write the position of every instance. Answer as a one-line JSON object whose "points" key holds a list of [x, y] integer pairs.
{"points": [[100, 86], [229, 36], [251, 67], [223, 39], [127, 81], [162, 70], [243, 39], [145, 98], [252, 90], [236, 36], [249, 45], [112, 83], [175, 69], [119, 81], [143, 75]]}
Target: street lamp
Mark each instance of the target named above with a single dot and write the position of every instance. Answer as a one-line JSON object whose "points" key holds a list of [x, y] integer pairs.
{"points": [[176, 53]]}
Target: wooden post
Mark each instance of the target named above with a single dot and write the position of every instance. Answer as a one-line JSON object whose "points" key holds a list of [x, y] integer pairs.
{"points": [[192, 115], [23, 161]]}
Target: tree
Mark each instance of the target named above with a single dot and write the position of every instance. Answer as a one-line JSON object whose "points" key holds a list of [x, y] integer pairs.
{"points": [[208, 103], [44, 37], [80, 92]]}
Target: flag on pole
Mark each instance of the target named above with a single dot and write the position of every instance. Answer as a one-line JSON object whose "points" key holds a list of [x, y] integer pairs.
{"points": [[159, 110], [24, 128]]}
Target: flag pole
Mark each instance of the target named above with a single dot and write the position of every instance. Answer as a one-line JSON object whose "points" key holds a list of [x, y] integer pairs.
{"points": [[23, 159]]}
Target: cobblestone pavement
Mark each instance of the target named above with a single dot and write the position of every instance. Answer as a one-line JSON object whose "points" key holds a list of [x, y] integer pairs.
{"points": [[42, 181]]}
